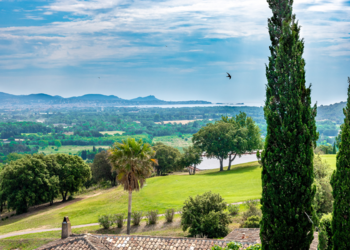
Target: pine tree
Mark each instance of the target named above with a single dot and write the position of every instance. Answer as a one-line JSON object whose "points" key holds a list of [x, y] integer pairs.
{"points": [[341, 186], [287, 159], [334, 149]]}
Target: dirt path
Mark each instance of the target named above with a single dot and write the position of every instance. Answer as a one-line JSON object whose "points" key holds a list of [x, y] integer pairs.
{"points": [[31, 231]]}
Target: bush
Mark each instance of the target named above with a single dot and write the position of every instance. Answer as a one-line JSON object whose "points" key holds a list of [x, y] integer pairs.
{"points": [[204, 216], [152, 217], [253, 210], [252, 222], [106, 221], [233, 209], [119, 220], [254, 247], [325, 235], [136, 217], [169, 215], [230, 246]]}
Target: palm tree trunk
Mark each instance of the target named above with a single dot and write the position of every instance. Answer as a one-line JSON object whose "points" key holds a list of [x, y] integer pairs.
{"points": [[129, 212]]}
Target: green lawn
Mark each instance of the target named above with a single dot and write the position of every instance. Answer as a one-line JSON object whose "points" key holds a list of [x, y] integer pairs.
{"points": [[330, 159], [67, 149], [240, 184], [175, 141]]}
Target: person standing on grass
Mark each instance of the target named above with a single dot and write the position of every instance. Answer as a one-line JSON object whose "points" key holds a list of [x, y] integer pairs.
{"points": [[133, 161]]}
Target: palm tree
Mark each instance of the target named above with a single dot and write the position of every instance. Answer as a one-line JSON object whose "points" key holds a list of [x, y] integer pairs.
{"points": [[133, 161]]}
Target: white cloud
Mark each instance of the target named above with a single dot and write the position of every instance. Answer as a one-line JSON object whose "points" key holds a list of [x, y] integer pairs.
{"points": [[96, 29]]}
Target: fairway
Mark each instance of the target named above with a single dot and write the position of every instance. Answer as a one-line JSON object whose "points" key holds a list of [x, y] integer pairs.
{"points": [[240, 184], [68, 149], [330, 159], [175, 141]]}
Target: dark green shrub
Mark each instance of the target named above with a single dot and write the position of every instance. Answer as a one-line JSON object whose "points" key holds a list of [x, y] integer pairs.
{"points": [[106, 221], [119, 220], [136, 217], [252, 222], [233, 209], [169, 215], [325, 235], [205, 216], [152, 217]]}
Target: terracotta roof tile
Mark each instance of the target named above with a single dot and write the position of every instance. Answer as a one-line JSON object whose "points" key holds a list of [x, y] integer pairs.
{"points": [[115, 242]]}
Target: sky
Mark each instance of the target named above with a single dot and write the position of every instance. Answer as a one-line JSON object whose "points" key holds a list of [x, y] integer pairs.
{"points": [[174, 49]]}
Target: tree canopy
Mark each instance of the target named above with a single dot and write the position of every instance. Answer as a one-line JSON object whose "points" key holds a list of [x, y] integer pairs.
{"points": [[167, 158], [73, 173]]}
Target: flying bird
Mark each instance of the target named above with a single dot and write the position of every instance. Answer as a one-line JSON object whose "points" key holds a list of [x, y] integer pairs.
{"points": [[228, 75]]}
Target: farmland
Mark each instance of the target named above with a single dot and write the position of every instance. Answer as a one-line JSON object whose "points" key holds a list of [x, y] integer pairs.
{"points": [[175, 141], [68, 149]]}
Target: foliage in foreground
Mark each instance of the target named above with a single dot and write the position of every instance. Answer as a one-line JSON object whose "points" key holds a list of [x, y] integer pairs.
{"points": [[287, 159], [236, 246], [323, 201], [341, 186], [325, 234], [205, 216]]}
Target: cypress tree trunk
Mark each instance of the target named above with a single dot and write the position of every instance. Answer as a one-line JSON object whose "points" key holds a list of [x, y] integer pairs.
{"points": [[341, 186], [287, 159]]}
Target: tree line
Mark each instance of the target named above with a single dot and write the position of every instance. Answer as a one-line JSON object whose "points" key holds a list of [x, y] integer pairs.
{"points": [[36, 179]]}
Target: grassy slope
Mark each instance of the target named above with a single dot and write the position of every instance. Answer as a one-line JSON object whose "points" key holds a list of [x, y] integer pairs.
{"points": [[241, 183], [330, 159]]}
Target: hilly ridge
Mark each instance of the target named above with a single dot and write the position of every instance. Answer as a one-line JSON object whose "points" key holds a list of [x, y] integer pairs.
{"points": [[88, 99]]}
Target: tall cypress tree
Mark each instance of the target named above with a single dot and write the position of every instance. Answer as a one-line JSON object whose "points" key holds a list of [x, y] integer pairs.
{"points": [[341, 186], [287, 159]]}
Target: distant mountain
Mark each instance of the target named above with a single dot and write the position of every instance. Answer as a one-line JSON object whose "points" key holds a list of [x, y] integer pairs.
{"points": [[145, 99], [8, 100]]}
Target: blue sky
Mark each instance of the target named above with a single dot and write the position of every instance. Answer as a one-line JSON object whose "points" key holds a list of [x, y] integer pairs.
{"points": [[173, 49]]}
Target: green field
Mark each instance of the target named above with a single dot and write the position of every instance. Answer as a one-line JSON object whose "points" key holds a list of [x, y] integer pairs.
{"points": [[330, 159], [175, 141], [112, 132], [67, 149], [240, 184]]}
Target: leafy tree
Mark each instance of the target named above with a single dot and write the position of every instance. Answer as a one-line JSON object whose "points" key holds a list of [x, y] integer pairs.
{"points": [[325, 234], [133, 161], [167, 158], [287, 159], [58, 143], [192, 156], [26, 182], [341, 186], [102, 169], [13, 157], [216, 140], [247, 136], [323, 201], [205, 215], [83, 154], [73, 173]]}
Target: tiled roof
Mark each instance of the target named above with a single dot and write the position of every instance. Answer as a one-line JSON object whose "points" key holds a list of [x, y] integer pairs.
{"points": [[245, 236], [252, 236], [113, 242]]}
